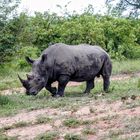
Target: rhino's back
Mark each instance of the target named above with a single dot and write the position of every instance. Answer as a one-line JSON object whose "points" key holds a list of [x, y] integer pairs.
{"points": [[81, 62], [61, 50]]}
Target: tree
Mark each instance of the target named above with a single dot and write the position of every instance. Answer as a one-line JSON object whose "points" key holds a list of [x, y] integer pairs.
{"points": [[8, 9], [7, 36], [130, 8]]}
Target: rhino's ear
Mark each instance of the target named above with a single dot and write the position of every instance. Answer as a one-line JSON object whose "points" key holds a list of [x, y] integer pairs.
{"points": [[29, 60], [43, 58]]}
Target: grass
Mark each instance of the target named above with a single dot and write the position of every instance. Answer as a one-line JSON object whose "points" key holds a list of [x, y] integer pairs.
{"points": [[43, 119], [132, 125], [73, 137], [71, 122], [11, 104], [9, 78], [89, 131], [48, 136], [74, 122], [129, 126], [15, 125], [5, 100], [126, 66]]}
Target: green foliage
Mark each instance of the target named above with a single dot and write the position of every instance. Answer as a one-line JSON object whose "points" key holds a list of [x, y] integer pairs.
{"points": [[8, 28], [29, 35], [19, 60]]}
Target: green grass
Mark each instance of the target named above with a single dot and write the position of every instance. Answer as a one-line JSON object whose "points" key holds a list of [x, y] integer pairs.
{"points": [[5, 100], [43, 119], [73, 137], [71, 122], [9, 78], [74, 122], [11, 104], [48, 136], [125, 66]]}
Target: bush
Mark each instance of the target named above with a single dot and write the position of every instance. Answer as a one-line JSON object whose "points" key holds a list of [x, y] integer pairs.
{"points": [[19, 59], [118, 36]]}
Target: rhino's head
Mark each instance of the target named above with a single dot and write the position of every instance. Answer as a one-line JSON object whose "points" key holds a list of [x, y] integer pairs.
{"points": [[38, 77]]}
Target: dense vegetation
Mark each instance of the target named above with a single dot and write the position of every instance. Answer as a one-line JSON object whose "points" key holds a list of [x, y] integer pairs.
{"points": [[28, 35]]}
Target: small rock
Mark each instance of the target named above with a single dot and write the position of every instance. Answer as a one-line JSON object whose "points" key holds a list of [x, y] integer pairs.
{"points": [[57, 123], [83, 111]]}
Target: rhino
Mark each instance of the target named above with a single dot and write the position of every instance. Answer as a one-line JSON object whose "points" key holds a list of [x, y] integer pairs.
{"points": [[64, 63]]}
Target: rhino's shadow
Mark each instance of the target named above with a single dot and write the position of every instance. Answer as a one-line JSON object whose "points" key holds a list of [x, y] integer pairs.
{"points": [[74, 94]]}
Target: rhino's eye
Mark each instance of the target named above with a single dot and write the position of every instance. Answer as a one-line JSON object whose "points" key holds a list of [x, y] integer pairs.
{"points": [[38, 79]]}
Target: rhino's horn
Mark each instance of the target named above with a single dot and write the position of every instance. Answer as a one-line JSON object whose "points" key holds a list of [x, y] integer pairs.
{"points": [[29, 77], [22, 81], [29, 60]]}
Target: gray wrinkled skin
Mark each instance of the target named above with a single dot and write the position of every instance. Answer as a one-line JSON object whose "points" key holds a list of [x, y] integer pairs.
{"points": [[64, 63]]}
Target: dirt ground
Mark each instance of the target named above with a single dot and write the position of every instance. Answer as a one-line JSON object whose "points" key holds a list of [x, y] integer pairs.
{"points": [[103, 117]]}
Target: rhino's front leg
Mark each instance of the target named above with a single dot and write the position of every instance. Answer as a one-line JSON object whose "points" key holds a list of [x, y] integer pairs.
{"points": [[52, 90], [62, 82]]}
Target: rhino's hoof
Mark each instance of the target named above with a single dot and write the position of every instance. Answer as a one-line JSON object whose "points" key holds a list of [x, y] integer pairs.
{"points": [[57, 96], [86, 93]]}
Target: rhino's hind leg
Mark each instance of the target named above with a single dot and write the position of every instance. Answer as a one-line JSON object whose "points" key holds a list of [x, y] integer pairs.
{"points": [[106, 81], [62, 82], [89, 86]]}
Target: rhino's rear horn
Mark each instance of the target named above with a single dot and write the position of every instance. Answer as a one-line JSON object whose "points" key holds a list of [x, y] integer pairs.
{"points": [[29, 60], [29, 77], [43, 58]]}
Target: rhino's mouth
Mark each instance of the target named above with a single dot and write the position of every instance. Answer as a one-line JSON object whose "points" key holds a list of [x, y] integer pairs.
{"points": [[34, 91]]}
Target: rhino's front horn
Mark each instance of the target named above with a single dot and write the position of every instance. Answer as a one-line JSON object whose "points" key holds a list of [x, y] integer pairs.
{"points": [[22, 81]]}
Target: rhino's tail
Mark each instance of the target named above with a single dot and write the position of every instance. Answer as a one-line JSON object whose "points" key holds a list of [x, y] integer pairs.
{"points": [[107, 67]]}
